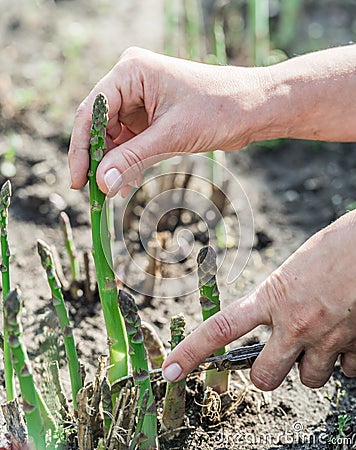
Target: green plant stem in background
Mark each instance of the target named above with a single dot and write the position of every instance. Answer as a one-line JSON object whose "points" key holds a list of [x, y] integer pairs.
{"points": [[170, 26], [174, 401], [5, 196], [35, 425], [105, 276], [61, 310], [219, 40], [69, 243], [258, 31], [193, 29], [210, 305], [288, 23], [140, 370]]}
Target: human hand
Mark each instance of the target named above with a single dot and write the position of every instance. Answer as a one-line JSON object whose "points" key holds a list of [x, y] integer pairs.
{"points": [[310, 304], [161, 106]]}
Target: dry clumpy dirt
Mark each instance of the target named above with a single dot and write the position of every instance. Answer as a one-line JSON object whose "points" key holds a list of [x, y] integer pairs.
{"points": [[53, 52]]}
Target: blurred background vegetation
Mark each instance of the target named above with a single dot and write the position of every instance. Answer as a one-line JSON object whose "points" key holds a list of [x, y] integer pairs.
{"points": [[53, 52]]}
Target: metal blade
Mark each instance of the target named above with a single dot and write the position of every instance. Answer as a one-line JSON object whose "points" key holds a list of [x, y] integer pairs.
{"points": [[235, 359]]}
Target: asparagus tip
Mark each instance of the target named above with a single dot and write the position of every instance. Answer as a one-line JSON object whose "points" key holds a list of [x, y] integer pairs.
{"points": [[5, 194]]}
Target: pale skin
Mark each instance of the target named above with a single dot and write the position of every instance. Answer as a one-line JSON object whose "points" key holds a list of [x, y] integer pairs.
{"points": [[160, 106]]}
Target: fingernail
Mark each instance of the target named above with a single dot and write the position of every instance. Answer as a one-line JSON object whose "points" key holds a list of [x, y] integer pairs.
{"points": [[113, 181], [172, 372]]}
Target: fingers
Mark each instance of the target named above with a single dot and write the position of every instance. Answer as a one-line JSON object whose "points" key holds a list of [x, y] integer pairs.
{"points": [[274, 363], [78, 157], [316, 368], [348, 364], [222, 328], [124, 164]]}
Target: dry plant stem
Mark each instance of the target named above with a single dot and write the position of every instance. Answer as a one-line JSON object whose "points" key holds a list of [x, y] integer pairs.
{"points": [[69, 243], [61, 310], [106, 403], [35, 425], [115, 433], [140, 437], [139, 363], [105, 276], [96, 406], [154, 346], [5, 196], [210, 305], [174, 402], [54, 370], [85, 437], [15, 425]]}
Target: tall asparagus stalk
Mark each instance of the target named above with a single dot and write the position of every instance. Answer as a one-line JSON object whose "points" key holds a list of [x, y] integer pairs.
{"points": [[105, 276], [139, 363], [174, 401], [5, 195], [35, 426], [70, 246], [210, 305], [62, 313]]}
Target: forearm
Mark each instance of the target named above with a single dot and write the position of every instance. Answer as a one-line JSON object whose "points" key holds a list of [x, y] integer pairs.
{"points": [[309, 97]]}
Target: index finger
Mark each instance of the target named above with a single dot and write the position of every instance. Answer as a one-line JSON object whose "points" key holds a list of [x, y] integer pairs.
{"points": [[78, 154], [224, 327]]}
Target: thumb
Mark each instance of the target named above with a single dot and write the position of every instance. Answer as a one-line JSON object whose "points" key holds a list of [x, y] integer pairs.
{"points": [[224, 327], [124, 164]]}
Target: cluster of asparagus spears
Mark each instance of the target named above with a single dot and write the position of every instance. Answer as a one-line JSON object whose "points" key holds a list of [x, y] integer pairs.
{"points": [[127, 337]]}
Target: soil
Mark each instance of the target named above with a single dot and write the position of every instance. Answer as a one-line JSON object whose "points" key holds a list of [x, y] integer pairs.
{"points": [[53, 53]]}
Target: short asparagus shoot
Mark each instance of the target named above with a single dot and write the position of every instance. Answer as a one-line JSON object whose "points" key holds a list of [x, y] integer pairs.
{"points": [[62, 313], [154, 345], [174, 401], [114, 323], [210, 305], [70, 246], [140, 370]]}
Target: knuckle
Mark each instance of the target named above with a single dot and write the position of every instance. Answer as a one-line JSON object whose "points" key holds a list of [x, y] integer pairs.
{"points": [[133, 161], [220, 328], [188, 355], [82, 110], [275, 288], [131, 51], [299, 326], [264, 379]]}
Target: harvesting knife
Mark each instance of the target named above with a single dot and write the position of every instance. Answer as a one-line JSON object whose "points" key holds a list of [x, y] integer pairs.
{"points": [[234, 359]]}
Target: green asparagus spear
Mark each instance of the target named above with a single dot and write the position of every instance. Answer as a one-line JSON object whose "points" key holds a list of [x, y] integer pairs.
{"points": [[105, 276], [5, 195], [139, 363], [70, 246], [61, 310], [35, 426], [210, 305], [174, 401], [154, 345]]}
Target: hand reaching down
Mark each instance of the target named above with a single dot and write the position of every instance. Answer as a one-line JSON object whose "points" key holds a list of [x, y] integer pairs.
{"points": [[310, 305]]}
